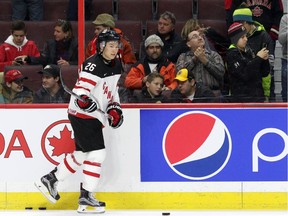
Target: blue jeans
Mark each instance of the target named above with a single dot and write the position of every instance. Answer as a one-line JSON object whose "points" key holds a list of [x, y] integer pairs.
{"points": [[284, 79], [27, 10]]}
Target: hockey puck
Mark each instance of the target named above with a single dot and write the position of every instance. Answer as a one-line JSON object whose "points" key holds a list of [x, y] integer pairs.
{"points": [[165, 213], [28, 208], [42, 208]]}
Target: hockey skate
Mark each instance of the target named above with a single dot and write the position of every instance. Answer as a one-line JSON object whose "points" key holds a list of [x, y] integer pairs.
{"points": [[88, 203], [47, 186]]}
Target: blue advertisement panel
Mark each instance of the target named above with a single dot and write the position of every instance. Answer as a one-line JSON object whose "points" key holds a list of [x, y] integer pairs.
{"points": [[233, 144]]}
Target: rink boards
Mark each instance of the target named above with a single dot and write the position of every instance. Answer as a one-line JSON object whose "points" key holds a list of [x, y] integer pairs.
{"points": [[185, 157]]}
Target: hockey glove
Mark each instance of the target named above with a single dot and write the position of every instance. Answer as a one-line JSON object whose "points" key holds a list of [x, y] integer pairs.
{"points": [[89, 105], [115, 111]]}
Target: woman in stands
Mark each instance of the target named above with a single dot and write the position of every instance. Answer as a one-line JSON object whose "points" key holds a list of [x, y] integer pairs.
{"points": [[62, 50]]}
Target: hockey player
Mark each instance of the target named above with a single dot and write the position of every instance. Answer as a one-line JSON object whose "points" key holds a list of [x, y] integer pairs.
{"points": [[97, 85]]}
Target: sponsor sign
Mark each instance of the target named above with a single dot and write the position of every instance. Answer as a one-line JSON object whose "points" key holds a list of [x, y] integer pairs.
{"points": [[214, 144]]}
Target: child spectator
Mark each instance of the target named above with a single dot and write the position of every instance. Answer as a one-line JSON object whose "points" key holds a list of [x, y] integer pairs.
{"points": [[51, 90], [152, 91], [244, 68], [17, 45], [13, 89]]}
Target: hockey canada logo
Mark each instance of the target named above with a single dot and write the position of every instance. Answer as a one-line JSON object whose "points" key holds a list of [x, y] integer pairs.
{"points": [[197, 145], [57, 141]]}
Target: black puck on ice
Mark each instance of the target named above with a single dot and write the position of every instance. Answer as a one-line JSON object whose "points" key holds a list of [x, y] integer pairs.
{"points": [[28, 208], [42, 208], [165, 213]]}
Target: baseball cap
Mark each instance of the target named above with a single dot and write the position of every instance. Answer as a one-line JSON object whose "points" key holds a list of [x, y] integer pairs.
{"points": [[242, 14], [153, 39], [51, 70], [236, 31], [183, 75], [105, 19], [13, 75]]}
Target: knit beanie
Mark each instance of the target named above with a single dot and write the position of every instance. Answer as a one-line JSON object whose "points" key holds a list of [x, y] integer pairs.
{"points": [[153, 39], [105, 19], [236, 31], [242, 14]]}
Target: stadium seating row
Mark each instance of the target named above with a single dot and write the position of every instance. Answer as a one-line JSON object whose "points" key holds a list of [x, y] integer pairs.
{"points": [[69, 74], [132, 9]]}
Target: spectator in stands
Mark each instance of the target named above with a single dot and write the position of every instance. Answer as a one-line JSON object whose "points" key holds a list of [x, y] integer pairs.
{"points": [[13, 89], [17, 45], [283, 34], [125, 53], [152, 91], [268, 13], [154, 61], [257, 39], [189, 91], [106, 21], [244, 68], [62, 50], [31, 10], [51, 90], [206, 65], [72, 13], [173, 44]]}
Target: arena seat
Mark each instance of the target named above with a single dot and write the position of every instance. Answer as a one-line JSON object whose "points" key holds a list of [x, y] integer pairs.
{"points": [[34, 79], [69, 75], [134, 10], [6, 10], [55, 9], [211, 10], [101, 6], [132, 31], [182, 9]]}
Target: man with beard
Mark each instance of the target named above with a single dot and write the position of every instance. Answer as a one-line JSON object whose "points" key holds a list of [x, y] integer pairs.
{"points": [[153, 62]]}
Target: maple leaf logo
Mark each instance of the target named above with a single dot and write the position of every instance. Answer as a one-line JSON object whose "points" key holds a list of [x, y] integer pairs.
{"points": [[64, 145]]}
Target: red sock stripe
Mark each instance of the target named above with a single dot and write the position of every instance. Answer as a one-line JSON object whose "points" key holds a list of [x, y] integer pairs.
{"points": [[96, 175], [68, 166], [92, 163]]}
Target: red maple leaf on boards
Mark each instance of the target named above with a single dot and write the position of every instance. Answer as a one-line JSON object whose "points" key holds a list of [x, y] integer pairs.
{"points": [[64, 145]]}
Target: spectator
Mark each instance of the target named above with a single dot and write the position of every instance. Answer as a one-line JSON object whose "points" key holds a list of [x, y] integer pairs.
{"points": [[31, 10], [13, 89], [189, 91], [62, 50], [283, 34], [51, 90], [257, 39], [106, 21], [154, 61], [268, 13], [72, 14], [245, 68], [152, 91], [17, 45], [206, 65], [125, 53], [173, 43]]}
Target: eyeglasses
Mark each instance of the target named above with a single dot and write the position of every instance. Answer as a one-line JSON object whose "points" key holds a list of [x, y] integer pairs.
{"points": [[195, 36]]}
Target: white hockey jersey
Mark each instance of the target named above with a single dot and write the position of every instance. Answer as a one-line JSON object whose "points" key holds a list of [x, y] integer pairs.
{"points": [[98, 81]]}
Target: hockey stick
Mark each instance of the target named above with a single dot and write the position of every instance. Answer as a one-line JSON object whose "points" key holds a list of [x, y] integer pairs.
{"points": [[69, 91]]}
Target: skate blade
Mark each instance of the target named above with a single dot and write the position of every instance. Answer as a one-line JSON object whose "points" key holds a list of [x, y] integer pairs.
{"points": [[39, 185], [84, 209]]}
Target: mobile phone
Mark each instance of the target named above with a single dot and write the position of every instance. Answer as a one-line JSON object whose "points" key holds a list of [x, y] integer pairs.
{"points": [[19, 61]]}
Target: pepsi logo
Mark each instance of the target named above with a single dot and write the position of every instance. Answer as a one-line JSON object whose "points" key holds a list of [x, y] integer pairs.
{"points": [[196, 145]]}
